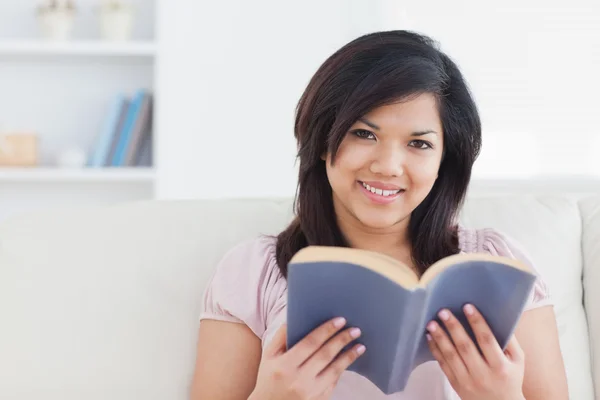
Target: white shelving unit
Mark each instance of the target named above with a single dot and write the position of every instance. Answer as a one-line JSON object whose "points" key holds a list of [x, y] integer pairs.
{"points": [[97, 48], [62, 90]]}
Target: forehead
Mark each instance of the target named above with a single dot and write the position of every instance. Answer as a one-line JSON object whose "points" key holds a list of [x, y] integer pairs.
{"points": [[417, 112]]}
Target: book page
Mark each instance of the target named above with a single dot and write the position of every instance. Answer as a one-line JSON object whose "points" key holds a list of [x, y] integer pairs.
{"points": [[377, 262], [451, 261]]}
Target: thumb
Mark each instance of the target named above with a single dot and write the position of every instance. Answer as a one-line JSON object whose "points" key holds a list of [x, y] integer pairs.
{"points": [[278, 343], [513, 350]]}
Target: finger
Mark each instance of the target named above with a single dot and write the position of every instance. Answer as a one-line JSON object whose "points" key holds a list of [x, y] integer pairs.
{"points": [[490, 348], [278, 343], [446, 347], [332, 373], [312, 342], [326, 388], [513, 350], [326, 354], [462, 342], [328, 393], [437, 354]]}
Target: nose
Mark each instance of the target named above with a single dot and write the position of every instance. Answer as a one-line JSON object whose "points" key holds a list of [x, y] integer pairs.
{"points": [[388, 161]]}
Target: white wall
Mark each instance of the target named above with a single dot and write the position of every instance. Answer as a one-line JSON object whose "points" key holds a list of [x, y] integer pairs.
{"points": [[230, 74], [533, 69]]}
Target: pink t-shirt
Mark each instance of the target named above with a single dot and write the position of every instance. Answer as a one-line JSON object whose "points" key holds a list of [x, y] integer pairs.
{"points": [[247, 287]]}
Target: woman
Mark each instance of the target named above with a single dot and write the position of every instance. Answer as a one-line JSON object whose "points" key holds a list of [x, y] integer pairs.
{"points": [[387, 133]]}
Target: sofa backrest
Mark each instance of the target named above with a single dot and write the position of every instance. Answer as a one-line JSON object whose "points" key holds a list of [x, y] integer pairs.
{"points": [[104, 302], [590, 210]]}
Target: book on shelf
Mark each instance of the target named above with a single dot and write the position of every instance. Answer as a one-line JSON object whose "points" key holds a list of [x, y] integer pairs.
{"points": [[125, 137], [392, 305]]}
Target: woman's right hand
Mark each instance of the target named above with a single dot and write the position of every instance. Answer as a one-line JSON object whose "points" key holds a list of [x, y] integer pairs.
{"points": [[310, 369]]}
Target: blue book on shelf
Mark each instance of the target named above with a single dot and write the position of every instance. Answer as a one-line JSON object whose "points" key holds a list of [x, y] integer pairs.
{"points": [[108, 131], [125, 136], [392, 306]]}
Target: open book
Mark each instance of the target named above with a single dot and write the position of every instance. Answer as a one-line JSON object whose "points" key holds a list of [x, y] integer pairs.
{"points": [[392, 306]]}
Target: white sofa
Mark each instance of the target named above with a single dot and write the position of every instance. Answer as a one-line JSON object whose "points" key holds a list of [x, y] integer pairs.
{"points": [[103, 303]]}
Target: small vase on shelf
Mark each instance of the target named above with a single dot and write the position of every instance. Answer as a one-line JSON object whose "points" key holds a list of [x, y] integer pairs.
{"points": [[73, 157], [56, 18], [116, 20]]}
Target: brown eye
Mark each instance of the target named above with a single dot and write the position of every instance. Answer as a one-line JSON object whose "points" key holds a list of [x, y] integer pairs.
{"points": [[421, 144], [363, 134]]}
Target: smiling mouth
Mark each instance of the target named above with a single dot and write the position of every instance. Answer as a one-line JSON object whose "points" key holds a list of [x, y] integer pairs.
{"points": [[381, 192]]}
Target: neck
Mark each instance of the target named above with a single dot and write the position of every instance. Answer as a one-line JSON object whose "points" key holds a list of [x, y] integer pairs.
{"points": [[392, 241]]}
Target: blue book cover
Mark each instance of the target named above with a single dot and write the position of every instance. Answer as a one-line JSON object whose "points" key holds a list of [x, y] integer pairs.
{"points": [[392, 306], [126, 133], [108, 132]]}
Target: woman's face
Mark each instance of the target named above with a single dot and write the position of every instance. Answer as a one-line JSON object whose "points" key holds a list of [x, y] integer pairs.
{"points": [[387, 163]]}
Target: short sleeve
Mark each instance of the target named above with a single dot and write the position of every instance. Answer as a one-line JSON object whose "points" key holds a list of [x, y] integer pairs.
{"points": [[246, 286], [497, 243]]}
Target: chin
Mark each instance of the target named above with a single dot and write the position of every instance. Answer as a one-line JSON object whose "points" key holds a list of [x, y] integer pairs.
{"points": [[379, 219]]}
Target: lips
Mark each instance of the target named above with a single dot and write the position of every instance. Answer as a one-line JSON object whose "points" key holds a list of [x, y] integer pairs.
{"points": [[379, 195], [381, 185], [380, 192]]}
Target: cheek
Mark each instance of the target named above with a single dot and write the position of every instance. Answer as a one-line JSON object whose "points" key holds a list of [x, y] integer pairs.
{"points": [[350, 159], [424, 171]]}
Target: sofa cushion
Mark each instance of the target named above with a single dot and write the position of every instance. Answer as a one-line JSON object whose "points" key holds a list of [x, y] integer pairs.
{"points": [[590, 210], [548, 229]]}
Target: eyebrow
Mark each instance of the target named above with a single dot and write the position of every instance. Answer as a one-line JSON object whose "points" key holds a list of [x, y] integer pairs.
{"points": [[417, 133]]}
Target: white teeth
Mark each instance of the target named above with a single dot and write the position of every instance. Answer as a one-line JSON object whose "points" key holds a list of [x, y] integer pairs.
{"points": [[380, 192]]}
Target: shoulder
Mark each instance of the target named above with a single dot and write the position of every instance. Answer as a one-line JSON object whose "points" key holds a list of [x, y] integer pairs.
{"points": [[495, 242], [245, 285], [249, 256], [250, 262], [488, 240]]}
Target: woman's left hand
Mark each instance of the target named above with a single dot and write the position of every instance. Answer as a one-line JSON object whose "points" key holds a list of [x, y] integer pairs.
{"points": [[497, 375]]}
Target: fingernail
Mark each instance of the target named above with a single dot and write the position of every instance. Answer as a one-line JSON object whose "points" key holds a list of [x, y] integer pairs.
{"points": [[355, 332], [428, 336], [339, 322], [431, 327], [469, 310], [360, 349], [444, 315]]}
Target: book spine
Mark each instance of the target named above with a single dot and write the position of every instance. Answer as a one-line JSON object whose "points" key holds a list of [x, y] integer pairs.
{"points": [[408, 341]]}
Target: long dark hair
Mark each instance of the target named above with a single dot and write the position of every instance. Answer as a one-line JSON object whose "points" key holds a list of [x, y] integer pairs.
{"points": [[374, 70]]}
